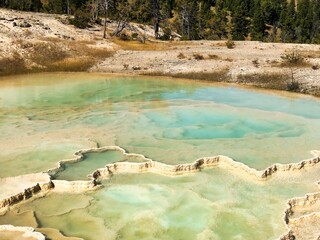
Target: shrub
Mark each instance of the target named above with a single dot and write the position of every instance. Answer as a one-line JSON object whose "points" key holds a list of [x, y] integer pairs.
{"points": [[230, 44], [181, 56], [292, 58], [216, 76], [198, 56], [265, 80], [12, 65], [143, 39], [184, 38], [124, 37], [293, 86], [44, 53], [213, 56], [98, 21], [134, 36], [81, 19], [255, 62], [166, 34], [71, 65]]}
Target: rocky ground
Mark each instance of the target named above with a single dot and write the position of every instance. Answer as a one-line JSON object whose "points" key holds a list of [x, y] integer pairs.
{"points": [[251, 63], [32, 42]]}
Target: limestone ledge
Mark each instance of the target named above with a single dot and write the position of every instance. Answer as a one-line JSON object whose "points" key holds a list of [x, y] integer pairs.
{"points": [[160, 168], [288, 236], [28, 232], [301, 202], [314, 215], [74, 186], [308, 200], [296, 203], [309, 219], [303, 221], [40, 184], [149, 165], [156, 167]]}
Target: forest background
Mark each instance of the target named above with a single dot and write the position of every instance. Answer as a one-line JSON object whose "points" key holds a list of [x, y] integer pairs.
{"points": [[261, 20]]}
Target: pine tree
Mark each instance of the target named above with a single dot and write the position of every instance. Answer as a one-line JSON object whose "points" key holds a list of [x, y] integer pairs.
{"points": [[36, 5], [188, 21], [3, 3], [204, 16], [240, 23], [57, 6], [304, 21], [288, 33], [272, 10], [23, 5], [216, 26], [258, 24], [220, 20], [155, 7], [167, 8], [315, 34]]}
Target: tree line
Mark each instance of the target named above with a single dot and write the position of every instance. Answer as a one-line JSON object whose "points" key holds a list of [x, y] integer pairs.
{"points": [[263, 20]]}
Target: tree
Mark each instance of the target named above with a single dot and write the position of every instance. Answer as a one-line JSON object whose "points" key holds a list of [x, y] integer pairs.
{"points": [[94, 8], [155, 10], [217, 25], [258, 24], [121, 12], [141, 11], [315, 33], [272, 10], [304, 21], [105, 6], [81, 18], [23, 5], [3, 3], [36, 5], [167, 8], [205, 14], [240, 23], [188, 12], [288, 23], [56, 6]]}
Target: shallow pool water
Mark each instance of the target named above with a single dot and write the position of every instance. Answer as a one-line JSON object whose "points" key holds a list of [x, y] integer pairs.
{"points": [[85, 167], [168, 120], [211, 204], [47, 117]]}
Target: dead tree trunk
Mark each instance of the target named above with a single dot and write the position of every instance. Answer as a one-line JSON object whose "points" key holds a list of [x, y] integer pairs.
{"points": [[94, 10], [68, 7], [156, 27], [156, 15], [105, 10], [122, 24]]}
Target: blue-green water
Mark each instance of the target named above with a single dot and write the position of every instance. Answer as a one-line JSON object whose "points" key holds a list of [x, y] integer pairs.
{"points": [[91, 162], [211, 204], [47, 117], [168, 120]]}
